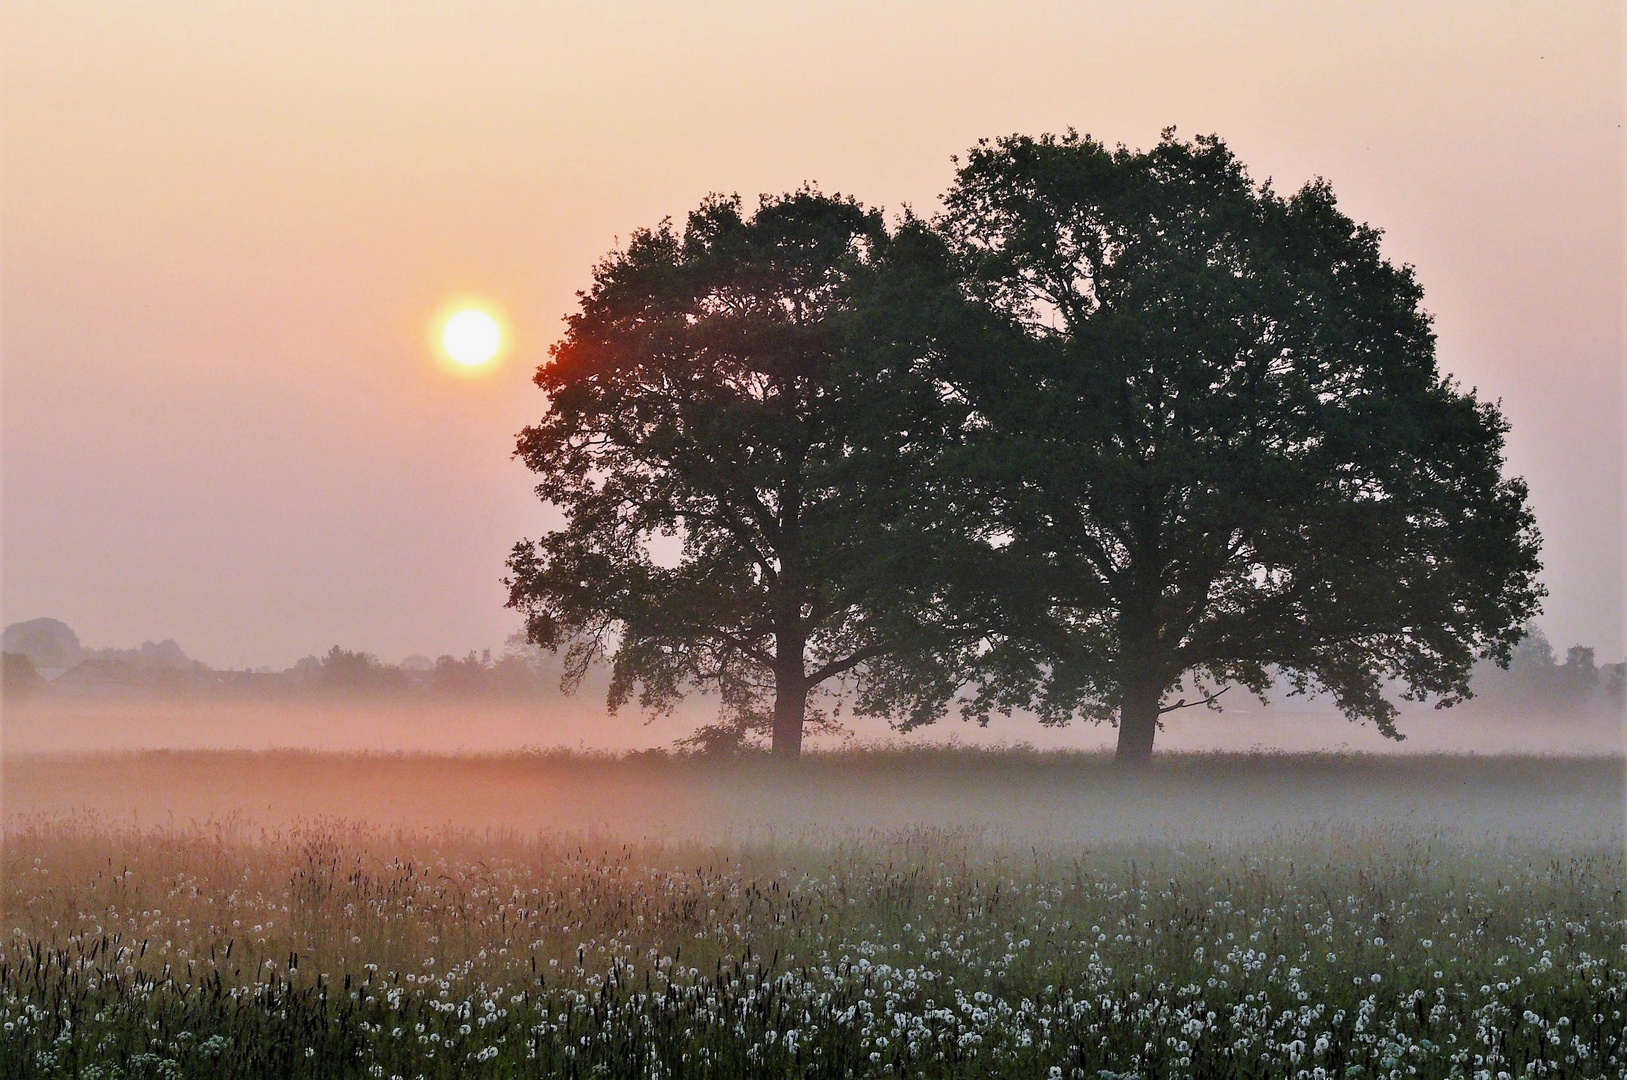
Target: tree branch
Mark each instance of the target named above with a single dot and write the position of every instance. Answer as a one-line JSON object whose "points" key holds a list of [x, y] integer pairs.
{"points": [[1185, 704], [837, 667]]}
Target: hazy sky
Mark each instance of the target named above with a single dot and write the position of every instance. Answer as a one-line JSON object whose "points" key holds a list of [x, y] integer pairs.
{"points": [[227, 228]]}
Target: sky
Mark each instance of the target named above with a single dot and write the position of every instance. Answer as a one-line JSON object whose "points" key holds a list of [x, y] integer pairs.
{"points": [[226, 231]]}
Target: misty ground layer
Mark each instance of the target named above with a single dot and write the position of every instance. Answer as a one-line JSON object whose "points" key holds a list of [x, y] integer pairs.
{"points": [[865, 914], [68, 724], [1020, 795]]}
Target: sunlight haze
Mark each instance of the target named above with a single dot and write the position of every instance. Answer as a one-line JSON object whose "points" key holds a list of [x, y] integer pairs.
{"points": [[227, 226]]}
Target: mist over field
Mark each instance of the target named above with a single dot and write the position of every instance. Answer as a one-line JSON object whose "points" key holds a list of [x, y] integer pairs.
{"points": [[1060, 800], [362, 871], [94, 726], [456, 870], [443, 841], [931, 912]]}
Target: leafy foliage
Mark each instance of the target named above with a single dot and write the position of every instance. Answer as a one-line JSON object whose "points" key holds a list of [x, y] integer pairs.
{"points": [[1213, 443], [1117, 425], [694, 403]]}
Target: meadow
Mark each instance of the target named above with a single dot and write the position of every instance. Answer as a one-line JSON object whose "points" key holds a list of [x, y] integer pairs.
{"points": [[926, 913]]}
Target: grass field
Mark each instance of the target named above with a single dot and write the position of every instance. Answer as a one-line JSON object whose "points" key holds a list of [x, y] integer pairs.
{"points": [[870, 913]]}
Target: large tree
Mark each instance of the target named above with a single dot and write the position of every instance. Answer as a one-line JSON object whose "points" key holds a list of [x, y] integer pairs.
{"points": [[1214, 446], [718, 531]]}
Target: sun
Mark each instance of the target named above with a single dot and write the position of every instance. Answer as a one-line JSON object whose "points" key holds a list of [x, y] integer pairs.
{"points": [[471, 337]]}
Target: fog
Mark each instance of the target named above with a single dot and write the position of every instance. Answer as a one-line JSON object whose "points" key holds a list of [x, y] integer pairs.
{"points": [[528, 769], [1010, 796], [92, 724]]}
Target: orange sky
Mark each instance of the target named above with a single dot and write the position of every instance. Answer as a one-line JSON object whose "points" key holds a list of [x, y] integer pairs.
{"points": [[226, 227]]}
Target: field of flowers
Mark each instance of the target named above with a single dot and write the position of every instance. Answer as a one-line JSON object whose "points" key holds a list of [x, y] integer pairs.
{"points": [[329, 949]]}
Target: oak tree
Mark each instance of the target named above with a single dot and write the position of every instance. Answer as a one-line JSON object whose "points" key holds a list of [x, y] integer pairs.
{"points": [[1215, 448], [698, 441]]}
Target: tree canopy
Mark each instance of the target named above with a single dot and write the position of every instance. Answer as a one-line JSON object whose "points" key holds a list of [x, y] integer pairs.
{"points": [[699, 443], [1213, 446], [1116, 427]]}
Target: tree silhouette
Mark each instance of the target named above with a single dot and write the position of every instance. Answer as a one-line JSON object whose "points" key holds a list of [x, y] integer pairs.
{"points": [[694, 403], [341, 671], [1213, 445], [21, 678]]}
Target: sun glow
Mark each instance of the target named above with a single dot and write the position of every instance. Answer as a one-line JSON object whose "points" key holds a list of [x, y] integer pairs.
{"points": [[471, 337]]}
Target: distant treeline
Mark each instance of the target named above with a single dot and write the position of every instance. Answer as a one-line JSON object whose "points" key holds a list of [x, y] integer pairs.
{"points": [[44, 658], [1538, 683]]}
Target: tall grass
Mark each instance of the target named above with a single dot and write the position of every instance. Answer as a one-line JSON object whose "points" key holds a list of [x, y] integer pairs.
{"points": [[330, 949]]}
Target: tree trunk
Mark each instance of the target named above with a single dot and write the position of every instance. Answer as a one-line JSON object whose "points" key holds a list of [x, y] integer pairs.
{"points": [[790, 704], [1138, 723]]}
